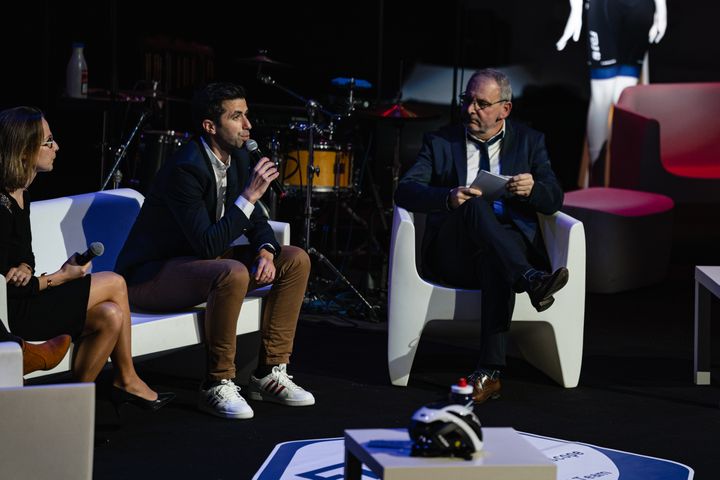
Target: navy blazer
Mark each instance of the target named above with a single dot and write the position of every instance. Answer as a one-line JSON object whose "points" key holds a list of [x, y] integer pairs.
{"points": [[441, 166], [177, 218]]}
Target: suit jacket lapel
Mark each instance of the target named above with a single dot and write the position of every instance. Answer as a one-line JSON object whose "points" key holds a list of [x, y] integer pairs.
{"points": [[213, 183], [508, 153], [459, 155]]}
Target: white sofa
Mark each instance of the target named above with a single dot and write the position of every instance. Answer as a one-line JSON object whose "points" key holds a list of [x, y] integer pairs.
{"points": [[552, 340], [63, 226]]}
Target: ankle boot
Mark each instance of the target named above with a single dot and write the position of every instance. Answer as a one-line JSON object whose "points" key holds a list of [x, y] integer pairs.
{"points": [[46, 355]]}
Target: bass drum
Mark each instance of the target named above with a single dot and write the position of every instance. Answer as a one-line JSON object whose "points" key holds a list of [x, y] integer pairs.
{"points": [[154, 148], [333, 162]]}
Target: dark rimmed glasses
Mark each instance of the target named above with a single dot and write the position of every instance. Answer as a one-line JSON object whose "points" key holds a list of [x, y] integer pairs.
{"points": [[466, 99]]}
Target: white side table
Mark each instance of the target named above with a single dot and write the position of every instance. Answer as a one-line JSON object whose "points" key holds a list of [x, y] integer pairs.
{"points": [[707, 285], [505, 455]]}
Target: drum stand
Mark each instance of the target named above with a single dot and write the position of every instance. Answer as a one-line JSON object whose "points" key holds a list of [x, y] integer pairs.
{"points": [[115, 175], [312, 109], [148, 111]]}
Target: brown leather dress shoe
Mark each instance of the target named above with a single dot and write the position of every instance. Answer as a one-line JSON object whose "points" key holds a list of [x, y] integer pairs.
{"points": [[46, 355], [485, 387]]}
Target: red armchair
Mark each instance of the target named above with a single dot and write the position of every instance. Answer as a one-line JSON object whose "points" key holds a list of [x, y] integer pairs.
{"points": [[666, 139]]}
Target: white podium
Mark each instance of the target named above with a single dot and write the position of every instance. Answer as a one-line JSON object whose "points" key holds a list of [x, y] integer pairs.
{"points": [[505, 456]]}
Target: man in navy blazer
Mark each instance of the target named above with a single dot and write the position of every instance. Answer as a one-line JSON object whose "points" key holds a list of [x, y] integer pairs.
{"points": [[493, 244], [178, 254]]}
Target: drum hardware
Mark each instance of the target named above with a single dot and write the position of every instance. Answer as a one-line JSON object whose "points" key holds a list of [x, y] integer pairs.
{"points": [[154, 105], [117, 179], [398, 114], [276, 159], [141, 96], [377, 200], [313, 108], [262, 59], [123, 148], [372, 309], [112, 98], [104, 144], [351, 84], [154, 148]]}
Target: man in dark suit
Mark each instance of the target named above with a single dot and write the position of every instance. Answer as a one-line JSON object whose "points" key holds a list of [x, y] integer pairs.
{"points": [[475, 242], [179, 253]]}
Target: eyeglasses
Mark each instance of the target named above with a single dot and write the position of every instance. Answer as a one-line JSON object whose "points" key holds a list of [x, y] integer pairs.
{"points": [[467, 100], [48, 143]]}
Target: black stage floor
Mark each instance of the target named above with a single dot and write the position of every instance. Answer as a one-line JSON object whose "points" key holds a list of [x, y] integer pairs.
{"points": [[636, 392]]}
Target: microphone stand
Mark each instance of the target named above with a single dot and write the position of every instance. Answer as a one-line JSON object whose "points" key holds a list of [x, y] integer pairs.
{"points": [[122, 151], [312, 108]]}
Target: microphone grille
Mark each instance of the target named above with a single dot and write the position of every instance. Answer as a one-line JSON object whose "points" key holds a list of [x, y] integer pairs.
{"points": [[97, 248], [251, 145]]}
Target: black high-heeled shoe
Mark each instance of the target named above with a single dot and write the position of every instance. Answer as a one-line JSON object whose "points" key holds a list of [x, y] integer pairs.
{"points": [[118, 397]]}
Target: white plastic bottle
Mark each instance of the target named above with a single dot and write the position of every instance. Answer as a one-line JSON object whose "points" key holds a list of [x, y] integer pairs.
{"points": [[77, 73], [461, 393]]}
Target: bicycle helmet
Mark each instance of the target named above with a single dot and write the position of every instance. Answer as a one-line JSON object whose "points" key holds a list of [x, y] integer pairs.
{"points": [[445, 430]]}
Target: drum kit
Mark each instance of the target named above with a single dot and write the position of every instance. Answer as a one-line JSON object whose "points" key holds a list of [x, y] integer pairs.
{"points": [[315, 155]]}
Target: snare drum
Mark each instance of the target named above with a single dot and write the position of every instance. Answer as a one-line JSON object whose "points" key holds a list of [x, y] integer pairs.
{"points": [[154, 148], [334, 164]]}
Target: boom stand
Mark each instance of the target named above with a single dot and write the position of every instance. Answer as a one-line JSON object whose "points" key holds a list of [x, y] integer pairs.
{"points": [[312, 108], [121, 152]]}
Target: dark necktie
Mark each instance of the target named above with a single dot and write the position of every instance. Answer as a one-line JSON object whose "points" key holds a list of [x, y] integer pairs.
{"points": [[483, 149]]}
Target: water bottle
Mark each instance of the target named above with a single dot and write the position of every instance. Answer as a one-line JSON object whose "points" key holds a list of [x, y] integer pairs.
{"points": [[461, 393], [77, 73]]}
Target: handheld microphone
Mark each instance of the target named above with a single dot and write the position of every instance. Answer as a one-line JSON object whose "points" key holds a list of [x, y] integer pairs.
{"points": [[95, 249], [256, 155]]}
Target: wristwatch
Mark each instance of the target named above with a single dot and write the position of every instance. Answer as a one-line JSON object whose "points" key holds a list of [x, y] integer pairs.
{"points": [[269, 248]]}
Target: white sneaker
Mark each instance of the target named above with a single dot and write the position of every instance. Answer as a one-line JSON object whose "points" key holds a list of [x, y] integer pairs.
{"points": [[278, 387], [224, 400]]}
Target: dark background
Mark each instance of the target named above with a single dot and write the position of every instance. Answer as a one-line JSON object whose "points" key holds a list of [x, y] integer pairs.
{"points": [[380, 41], [635, 393]]}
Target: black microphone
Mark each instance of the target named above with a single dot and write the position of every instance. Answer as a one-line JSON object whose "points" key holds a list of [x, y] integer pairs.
{"points": [[256, 155], [95, 249]]}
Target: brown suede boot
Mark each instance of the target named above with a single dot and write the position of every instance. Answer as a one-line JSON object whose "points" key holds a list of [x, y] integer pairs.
{"points": [[46, 355]]}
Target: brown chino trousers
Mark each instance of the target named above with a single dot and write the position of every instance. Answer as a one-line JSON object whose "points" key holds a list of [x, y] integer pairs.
{"points": [[184, 282]]}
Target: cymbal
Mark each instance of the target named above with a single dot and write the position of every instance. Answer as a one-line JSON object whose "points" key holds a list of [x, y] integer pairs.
{"points": [[354, 82], [261, 59], [396, 111]]}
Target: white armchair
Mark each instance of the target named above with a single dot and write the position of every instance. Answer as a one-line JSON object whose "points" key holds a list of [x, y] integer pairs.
{"points": [[552, 340], [48, 430]]}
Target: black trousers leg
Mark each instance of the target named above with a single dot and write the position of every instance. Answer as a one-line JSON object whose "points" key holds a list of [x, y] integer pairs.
{"points": [[474, 249]]}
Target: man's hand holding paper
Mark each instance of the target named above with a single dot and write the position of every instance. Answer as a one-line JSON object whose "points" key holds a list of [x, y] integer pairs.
{"points": [[460, 195], [521, 184], [491, 186]]}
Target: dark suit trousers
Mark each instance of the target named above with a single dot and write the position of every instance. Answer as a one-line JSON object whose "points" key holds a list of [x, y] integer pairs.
{"points": [[184, 282], [473, 249]]}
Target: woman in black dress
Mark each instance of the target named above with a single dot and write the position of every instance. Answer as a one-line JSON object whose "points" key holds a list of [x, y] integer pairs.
{"points": [[93, 309]]}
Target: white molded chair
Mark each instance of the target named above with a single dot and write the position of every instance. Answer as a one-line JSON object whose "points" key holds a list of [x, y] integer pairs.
{"points": [[47, 430], [552, 340]]}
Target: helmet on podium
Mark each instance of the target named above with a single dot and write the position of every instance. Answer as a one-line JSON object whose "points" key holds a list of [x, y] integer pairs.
{"points": [[445, 430]]}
